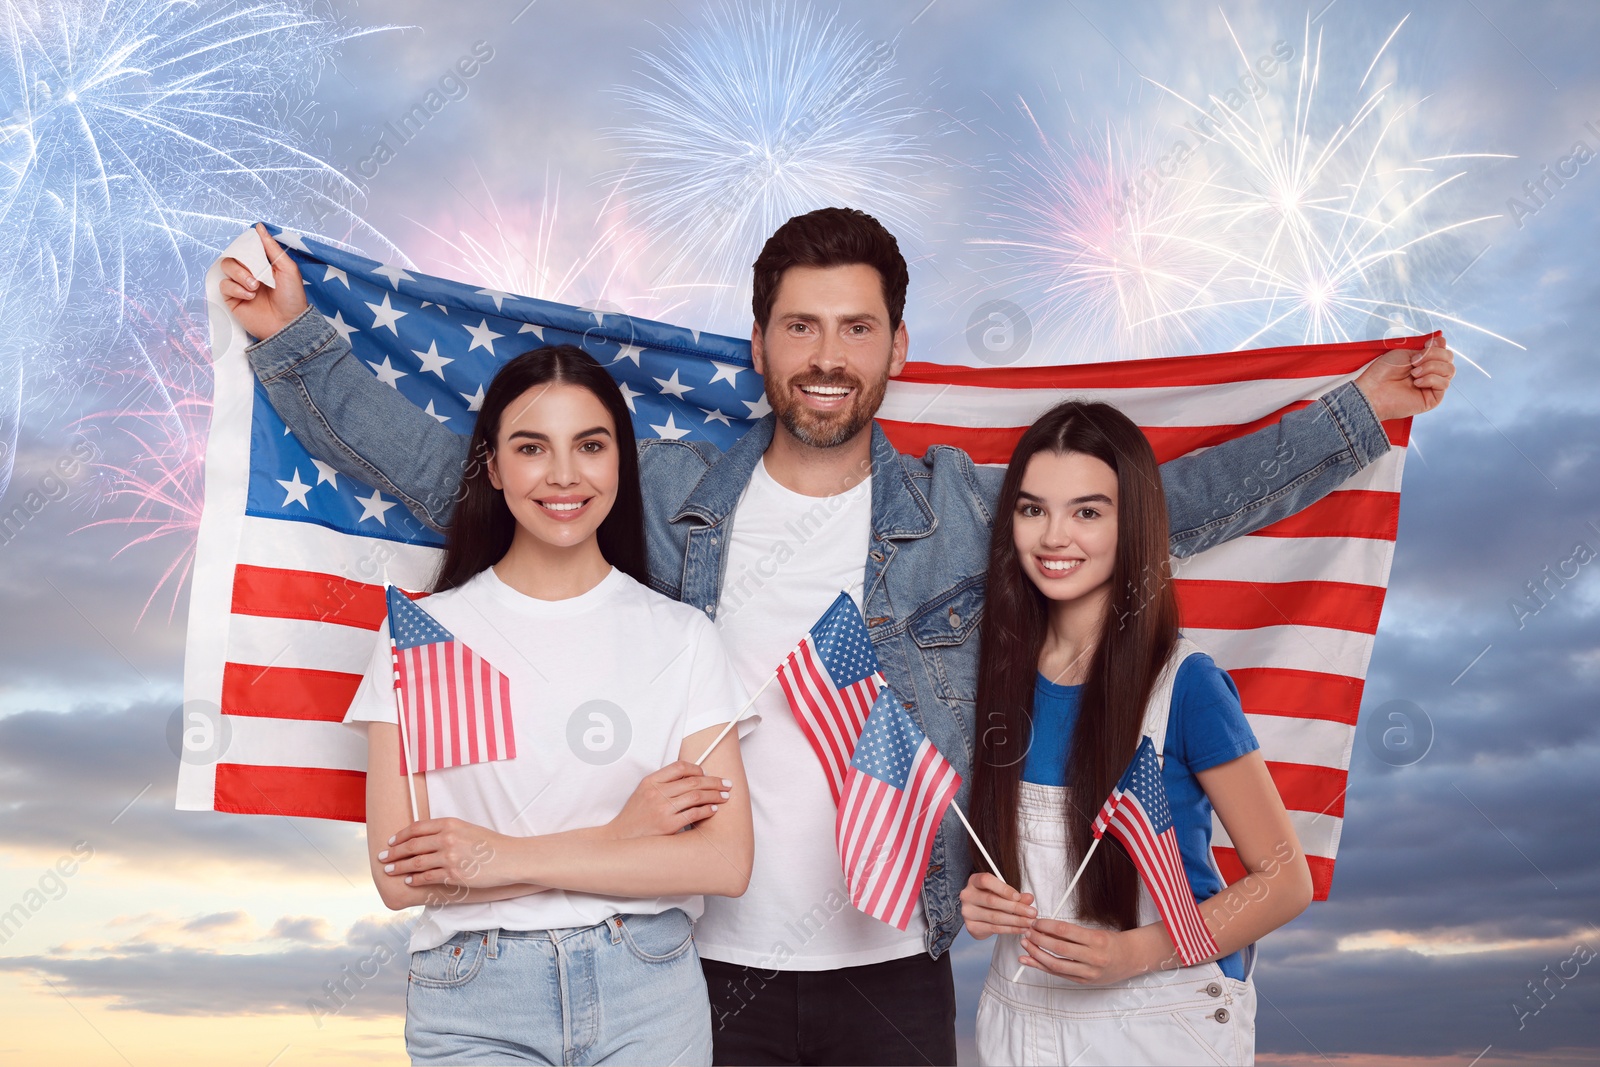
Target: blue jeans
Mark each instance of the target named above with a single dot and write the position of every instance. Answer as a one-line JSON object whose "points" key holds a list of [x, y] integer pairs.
{"points": [[628, 990]]}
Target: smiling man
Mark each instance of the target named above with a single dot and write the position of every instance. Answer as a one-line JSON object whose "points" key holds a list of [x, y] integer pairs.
{"points": [[811, 500]]}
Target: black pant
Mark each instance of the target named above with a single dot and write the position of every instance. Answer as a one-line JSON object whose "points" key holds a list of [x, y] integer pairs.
{"points": [[899, 1012]]}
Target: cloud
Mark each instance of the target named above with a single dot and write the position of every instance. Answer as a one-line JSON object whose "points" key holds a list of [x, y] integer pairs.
{"points": [[363, 974], [108, 777]]}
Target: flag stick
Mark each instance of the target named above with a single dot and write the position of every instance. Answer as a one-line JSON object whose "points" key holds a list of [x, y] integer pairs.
{"points": [[718, 739], [1065, 893], [399, 710], [974, 835]]}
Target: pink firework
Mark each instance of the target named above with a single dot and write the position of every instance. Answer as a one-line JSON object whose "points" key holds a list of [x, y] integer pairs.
{"points": [[162, 481]]}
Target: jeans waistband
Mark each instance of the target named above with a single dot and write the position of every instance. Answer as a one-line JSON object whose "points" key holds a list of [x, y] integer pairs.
{"points": [[612, 925]]}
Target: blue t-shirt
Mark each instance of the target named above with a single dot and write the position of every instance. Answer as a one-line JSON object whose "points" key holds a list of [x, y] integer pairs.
{"points": [[1207, 728]]}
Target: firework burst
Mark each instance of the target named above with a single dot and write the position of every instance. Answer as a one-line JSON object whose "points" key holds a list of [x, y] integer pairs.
{"points": [[1332, 230], [1110, 267], [545, 251], [763, 114], [1280, 224], [137, 138], [159, 483]]}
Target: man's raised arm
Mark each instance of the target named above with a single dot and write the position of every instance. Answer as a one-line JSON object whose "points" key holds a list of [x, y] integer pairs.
{"points": [[338, 409], [1253, 481]]}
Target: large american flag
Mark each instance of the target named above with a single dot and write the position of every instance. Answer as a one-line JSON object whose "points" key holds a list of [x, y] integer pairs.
{"points": [[456, 704], [288, 587], [831, 680], [1137, 814], [896, 789]]}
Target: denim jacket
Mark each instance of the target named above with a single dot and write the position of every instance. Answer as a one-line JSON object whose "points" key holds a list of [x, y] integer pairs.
{"points": [[931, 515]]}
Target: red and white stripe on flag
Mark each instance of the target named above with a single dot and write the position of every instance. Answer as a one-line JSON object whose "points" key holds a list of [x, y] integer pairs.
{"points": [[830, 718], [1160, 865], [1289, 611], [457, 706]]}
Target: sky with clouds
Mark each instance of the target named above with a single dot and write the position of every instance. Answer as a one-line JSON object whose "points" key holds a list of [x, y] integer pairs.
{"points": [[1461, 922]]}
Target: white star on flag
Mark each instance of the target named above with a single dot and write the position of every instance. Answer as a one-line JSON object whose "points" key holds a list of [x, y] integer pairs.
{"points": [[759, 408], [628, 352], [387, 373], [482, 336], [344, 328], [293, 240], [295, 490], [386, 315], [713, 415], [628, 395], [726, 372], [431, 304], [497, 296], [432, 360], [670, 431], [394, 274], [671, 386], [435, 414], [325, 472], [528, 327], [475, 400], [335, 274], [373, 507]]}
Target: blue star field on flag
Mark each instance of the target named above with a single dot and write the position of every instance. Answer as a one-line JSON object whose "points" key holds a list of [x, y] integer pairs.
{"points": [[410, 626], [842, 643], [1142, 779], [439, 343], [888, 743]]}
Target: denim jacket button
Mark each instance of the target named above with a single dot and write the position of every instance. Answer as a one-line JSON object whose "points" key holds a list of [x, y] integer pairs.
{"points": [[955, 621], [711, 609], [877, 556]]}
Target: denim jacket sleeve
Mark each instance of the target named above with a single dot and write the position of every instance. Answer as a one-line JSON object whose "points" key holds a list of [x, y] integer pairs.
{"points": [[1242, 485], [345, 416]]}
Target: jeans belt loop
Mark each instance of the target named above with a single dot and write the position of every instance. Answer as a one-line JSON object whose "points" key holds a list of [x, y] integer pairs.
{"points": [[491, 938], [615, 922]]}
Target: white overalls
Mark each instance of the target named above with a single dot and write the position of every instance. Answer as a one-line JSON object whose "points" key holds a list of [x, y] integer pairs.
{"points": [[1188, 1015]]}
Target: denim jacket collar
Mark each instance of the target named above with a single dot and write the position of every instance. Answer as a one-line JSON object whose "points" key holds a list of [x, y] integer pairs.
{"points": [[899, 509]]}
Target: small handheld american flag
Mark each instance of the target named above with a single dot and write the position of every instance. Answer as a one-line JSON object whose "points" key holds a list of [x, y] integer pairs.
{"points": [[831, 680], [455, 706], [1136, 813], [895, 794]]}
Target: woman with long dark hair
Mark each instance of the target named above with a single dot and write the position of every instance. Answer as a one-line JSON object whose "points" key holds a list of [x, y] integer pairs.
{"points": [[1082, 657], [559, 893]]}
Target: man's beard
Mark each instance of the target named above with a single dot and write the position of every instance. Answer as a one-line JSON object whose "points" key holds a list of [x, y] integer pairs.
{"points": [[826, 430]]}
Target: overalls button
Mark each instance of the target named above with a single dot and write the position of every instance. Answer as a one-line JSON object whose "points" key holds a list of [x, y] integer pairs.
{"points": [[1213, 990], [713, 539], [710, 608], [1221, 1015]]}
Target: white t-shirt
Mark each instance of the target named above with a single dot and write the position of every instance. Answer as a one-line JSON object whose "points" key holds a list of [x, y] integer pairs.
{"points": [[604, 688], [788, 556]]}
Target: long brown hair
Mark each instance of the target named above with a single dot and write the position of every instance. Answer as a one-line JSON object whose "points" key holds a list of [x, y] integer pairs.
{"points": [[1137, 634], [482, 527]]}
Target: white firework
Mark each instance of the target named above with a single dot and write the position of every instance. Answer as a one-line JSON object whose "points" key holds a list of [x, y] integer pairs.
{"points": [[762, 114], [1276, 224], [137, 138]]}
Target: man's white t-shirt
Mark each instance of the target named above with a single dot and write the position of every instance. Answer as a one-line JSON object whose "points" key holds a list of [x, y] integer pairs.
{"points": [[604, 688], [788, 557]]}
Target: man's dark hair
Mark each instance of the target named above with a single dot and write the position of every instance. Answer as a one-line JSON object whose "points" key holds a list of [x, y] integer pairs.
{"points": [[831, 237]]}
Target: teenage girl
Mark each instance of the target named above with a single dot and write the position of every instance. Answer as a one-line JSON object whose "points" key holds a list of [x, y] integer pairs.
{"points": [[1081, 657], [559, 896]]}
